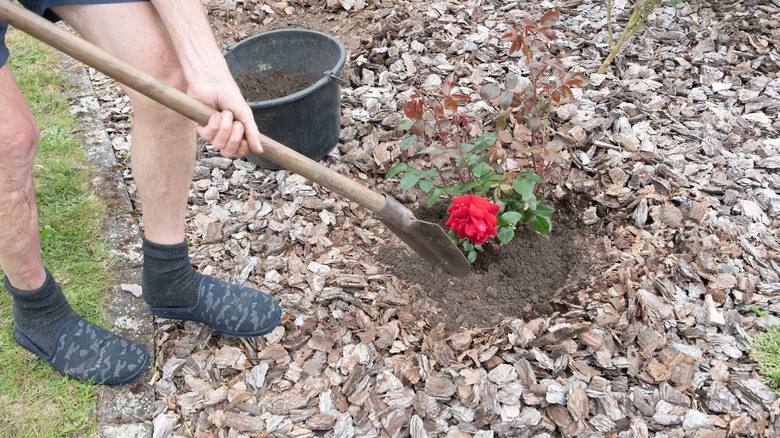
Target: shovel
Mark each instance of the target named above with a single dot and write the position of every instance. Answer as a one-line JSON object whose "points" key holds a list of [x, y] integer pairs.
{"points": [[425, 238]]}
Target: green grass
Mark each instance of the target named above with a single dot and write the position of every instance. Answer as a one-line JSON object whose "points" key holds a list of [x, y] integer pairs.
{"points": [[34, 399], [765, 350]]}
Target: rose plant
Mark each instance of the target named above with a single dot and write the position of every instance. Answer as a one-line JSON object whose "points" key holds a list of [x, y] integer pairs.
{"points": [[493, 169]]}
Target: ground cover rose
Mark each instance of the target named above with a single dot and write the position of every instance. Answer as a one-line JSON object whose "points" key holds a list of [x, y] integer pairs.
{"points": [[473, 217]]}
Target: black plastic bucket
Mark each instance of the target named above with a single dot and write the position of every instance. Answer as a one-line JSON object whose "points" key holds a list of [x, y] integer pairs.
{"points": [[308, 121]]}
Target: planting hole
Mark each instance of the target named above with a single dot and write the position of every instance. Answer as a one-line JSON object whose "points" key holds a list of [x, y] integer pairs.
{"points": [[520, 279]]}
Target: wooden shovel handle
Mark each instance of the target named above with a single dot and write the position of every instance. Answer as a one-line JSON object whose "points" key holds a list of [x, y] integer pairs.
{"points": [[180, 102]]}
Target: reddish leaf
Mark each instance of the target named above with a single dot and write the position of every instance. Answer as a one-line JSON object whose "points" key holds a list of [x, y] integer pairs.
{"points": [[505, 136], [450, 104], [446, 86], [464, 121], [527, 24], [418, 127], [438, 156], [555, 64], [458, 97], [555, 96], [548, 33], [413, 109], [438, 111], [517, 43], [522, 133], [566, 92], [517, 100], [550, 18], [575, 80]]}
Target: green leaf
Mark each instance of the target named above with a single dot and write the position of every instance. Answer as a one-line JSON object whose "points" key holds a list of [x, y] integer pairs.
{"points": [[468, 245], [409, 179], [468, 187], [435, 194], [490, 91], [472, 256], [523, 186], [431, 174], [505, 234], [511, 81], [398, 168], [531, 175], [485, 140], [407, 142], [481, 169], [455, 190], [511, 217], [404, 125], [541, 224], [426, 185], [531, 201], [544, 210]]}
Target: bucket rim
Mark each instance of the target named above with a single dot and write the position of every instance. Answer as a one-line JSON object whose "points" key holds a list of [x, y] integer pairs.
{"points": [[327, 76]]}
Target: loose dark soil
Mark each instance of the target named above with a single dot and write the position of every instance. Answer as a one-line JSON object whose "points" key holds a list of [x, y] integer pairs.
{"points": [[258, 87], [522, 279]]}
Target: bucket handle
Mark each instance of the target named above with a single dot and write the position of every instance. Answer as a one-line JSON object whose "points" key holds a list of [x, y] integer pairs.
{"points": [[338, 79]]}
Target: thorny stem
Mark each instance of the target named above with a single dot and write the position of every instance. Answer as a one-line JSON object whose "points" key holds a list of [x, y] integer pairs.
{"points": [[536, 135], [444, 135]]}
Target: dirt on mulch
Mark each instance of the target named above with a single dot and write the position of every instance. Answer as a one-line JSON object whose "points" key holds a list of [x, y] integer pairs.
{"points": [[258, 87]]}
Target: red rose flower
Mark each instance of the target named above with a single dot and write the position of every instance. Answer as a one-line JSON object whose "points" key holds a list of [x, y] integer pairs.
{"points": [[473, 217]]}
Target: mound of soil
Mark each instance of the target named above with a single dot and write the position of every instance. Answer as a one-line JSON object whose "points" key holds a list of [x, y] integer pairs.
{"points": [[521, 279]]}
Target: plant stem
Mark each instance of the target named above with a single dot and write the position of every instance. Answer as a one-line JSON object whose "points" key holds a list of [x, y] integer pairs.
{"points": [[610, 39], [638, 16]]}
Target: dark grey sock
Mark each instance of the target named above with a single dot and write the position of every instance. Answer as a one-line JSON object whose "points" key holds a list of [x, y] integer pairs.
{"points": [[168, 278], [41, 312]]}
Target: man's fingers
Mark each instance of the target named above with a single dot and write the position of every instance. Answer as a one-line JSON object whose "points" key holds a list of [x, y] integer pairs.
{"points": [[208, 131], [223, 132], [231, 135], [233, 145], [251, 134]]}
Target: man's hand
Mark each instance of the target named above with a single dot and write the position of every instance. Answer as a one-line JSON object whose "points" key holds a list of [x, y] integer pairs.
{"points": [[232, 131]]}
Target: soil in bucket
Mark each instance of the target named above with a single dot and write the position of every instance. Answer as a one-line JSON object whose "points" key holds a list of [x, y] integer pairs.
{"points": [[259, 87]]}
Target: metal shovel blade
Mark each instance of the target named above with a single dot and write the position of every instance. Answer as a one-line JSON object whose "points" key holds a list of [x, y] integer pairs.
{"points": [[425, 238]]}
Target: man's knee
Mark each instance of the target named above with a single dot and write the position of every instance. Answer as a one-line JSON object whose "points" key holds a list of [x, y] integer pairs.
{"points": [[168, 72], [18, 141], [19, 131]]}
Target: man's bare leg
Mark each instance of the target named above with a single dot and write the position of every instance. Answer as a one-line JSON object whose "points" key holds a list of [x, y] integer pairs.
{"points": [[163, 149], [163, 155], [20, 247], [44, 321]]}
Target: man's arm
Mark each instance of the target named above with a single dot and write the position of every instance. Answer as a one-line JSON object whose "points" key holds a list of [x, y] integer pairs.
{"points": [[233, 131]]}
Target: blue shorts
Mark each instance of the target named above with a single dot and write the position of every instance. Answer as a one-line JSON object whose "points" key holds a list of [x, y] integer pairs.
{"points": [[43, 8]]}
